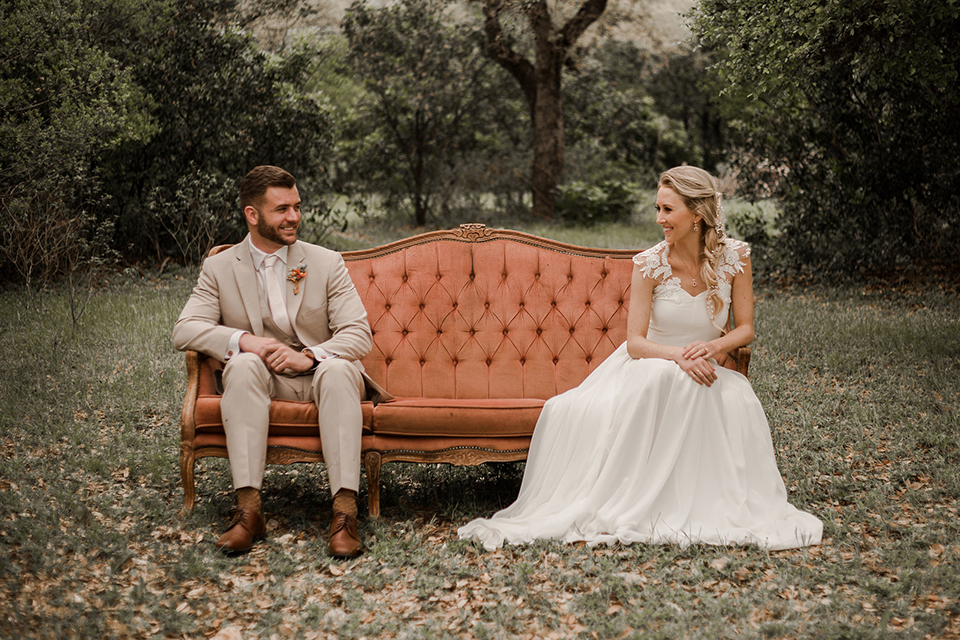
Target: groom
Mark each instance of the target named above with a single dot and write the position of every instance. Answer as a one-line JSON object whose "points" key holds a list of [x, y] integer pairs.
{"points": [[285, 319]]}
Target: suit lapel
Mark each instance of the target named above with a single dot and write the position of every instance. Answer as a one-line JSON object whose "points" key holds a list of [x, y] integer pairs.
{"points": [[246, 276], [295, 257]]}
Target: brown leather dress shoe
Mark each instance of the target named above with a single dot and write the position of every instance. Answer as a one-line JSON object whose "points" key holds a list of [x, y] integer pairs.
{"points": [[246, 528], [344, 539]]}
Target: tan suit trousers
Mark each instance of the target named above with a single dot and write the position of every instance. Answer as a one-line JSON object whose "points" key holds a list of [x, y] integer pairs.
{"points": [[336, 387]]}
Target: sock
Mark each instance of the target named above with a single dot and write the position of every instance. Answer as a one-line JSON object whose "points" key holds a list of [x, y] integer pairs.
{"points": [[248, 498], [345, 502]]}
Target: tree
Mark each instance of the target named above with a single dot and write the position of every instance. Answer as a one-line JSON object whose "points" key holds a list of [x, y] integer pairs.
{"points": [[540, 81], [64, 102], [432, 92], [221, 105], [637, 110], [852, 123]]}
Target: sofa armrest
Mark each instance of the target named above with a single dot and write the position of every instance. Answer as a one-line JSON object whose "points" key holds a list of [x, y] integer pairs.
{"points": [[736, 360], [188, 425]]}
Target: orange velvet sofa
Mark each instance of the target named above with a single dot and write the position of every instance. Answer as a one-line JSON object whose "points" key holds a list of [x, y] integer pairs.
{"points": [[473, 329]]}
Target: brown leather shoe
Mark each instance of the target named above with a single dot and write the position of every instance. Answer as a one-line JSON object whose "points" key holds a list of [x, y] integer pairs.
{"points": [[344, 539], [246, 528]]}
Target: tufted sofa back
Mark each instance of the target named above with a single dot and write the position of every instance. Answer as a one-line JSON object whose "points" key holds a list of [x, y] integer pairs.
{"points": [[482, 313]]}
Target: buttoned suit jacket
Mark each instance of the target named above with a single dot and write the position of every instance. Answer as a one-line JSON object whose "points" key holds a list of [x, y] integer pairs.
{"points": [[326, 310]]}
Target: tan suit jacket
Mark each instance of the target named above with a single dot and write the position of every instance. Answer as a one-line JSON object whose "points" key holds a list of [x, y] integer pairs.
{"points": [[327, 312]]}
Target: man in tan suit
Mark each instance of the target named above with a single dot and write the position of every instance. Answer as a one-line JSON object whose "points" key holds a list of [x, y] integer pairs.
{"points": [[287, 322]]}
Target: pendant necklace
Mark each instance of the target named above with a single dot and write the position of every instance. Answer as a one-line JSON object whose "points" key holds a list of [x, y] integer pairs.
{"points": [[693, 277]]}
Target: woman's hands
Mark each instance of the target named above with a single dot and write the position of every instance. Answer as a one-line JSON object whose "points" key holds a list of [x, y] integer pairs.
{"points": [[695, 361], [705, 350]]}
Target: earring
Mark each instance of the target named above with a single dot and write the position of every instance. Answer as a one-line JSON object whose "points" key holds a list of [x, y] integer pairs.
{"points": [[695, 227]]}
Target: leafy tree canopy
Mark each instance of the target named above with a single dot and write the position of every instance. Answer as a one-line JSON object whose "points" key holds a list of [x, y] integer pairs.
{"points": [[64, 101], [431, 98], [853, 122]]}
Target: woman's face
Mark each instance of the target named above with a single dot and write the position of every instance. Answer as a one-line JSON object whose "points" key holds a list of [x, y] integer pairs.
{"points": [[673, 216]]}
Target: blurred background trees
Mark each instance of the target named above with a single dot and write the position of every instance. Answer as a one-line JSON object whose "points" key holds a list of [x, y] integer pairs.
{"points": [[851, 124], [126, 124]]}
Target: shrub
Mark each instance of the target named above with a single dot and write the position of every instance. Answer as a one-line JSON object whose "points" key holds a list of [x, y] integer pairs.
{"points": [[579, 203]]}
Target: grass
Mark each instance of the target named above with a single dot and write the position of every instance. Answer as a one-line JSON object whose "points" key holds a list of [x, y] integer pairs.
{"points": [[860, 386]]}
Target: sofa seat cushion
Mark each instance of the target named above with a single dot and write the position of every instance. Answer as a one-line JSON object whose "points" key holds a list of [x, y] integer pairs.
{"points": [[457, 418], [287, 417]]}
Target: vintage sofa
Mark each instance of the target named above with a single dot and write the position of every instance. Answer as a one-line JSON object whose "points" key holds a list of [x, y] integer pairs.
{"points": [[473, 329]]}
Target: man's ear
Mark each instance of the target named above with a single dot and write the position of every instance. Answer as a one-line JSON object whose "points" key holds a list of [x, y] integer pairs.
{"points": [[252, 215]]}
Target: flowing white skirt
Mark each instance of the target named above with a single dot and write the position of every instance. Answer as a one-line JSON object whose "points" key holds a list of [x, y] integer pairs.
{"points": [[639, 452]]}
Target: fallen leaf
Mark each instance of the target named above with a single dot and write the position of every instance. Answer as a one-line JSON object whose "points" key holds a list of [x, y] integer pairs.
{"points": [[228, 633]]}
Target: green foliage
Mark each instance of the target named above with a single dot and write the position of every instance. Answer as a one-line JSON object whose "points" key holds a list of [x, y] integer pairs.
{"points": [[432, 100], [64, 101], [125, 124], [754, 223], [616, 132], [853, 124], [630, 112], [221, 106], [198, 214], [580, 204]]}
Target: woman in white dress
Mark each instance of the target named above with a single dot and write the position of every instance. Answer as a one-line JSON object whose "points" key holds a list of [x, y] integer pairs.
{"points": [[660, 444]]}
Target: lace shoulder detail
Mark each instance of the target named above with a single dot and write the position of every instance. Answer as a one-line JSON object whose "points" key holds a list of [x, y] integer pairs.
{"points": [[733, 259], [654, 262]]}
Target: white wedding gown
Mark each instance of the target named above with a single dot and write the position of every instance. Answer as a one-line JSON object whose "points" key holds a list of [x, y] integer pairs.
{"points": [[639, 452]]}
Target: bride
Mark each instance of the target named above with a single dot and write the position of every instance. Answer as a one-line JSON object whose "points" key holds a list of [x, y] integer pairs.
{"points": [[660, 444]]}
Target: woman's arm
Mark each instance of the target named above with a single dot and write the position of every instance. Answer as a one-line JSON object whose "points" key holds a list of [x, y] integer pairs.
{"points": [[638, 321], [638, 318]]}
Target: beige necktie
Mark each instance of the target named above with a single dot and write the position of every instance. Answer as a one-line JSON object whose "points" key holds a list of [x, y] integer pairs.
{"points": [[278, 307]]}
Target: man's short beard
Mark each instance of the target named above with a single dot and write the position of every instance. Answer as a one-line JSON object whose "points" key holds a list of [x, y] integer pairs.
{"points": [[270, 233]]}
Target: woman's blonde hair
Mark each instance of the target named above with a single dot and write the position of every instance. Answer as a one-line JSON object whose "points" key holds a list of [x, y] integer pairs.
{"points": [[701, 194]]}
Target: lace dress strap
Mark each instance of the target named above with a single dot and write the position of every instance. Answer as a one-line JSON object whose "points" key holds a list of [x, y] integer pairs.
{"points": [[733, 259], [654, 262]]}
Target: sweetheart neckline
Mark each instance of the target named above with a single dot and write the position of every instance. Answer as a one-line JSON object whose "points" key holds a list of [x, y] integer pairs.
{"points": [[680, 286]]}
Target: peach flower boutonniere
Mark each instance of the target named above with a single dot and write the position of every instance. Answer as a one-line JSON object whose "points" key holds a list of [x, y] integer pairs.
{"points": [[295, 275]]}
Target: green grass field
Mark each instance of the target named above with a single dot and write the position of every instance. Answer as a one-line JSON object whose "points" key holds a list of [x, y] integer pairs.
{"points": [[860, 387]]}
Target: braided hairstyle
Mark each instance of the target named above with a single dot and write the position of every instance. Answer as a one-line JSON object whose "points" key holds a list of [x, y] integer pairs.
{"points": [[700, 193]]}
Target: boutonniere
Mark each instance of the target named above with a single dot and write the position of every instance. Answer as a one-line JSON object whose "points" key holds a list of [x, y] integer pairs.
{"points": [[295, 275]]}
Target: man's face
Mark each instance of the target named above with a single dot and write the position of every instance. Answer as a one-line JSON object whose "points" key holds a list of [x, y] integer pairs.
{"points": [[275, 222]]}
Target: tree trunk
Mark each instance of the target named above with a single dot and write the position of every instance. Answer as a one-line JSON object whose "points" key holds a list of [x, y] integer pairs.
{"points": [[540, 83], [419, 176], [549, 149]]}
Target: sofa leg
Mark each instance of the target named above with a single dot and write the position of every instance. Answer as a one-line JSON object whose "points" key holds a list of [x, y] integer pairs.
{"points": [[372, 462], [186, 478]]}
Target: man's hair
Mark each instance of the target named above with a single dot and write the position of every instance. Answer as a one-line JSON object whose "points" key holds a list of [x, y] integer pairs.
{"points": [[258, 180]]}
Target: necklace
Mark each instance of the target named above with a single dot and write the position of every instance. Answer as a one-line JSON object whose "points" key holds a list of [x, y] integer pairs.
{"points": [[693, 276]]}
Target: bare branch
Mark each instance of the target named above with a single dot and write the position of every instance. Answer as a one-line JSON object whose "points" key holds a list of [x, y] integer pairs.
{"points": [[502, 53], [589, 12]]}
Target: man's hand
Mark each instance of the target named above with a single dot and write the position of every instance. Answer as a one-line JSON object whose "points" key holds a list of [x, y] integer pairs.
{"points": [[282, 359], [278, 357], [255, 344]]}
